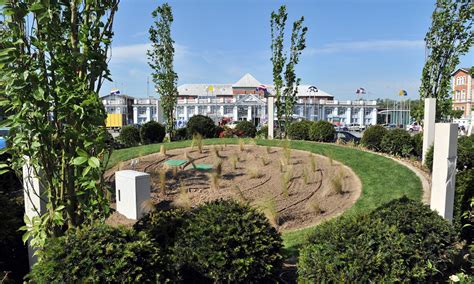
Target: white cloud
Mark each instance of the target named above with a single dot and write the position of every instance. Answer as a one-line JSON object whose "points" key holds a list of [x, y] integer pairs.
{"points": [[137, 52], [369, 45]]}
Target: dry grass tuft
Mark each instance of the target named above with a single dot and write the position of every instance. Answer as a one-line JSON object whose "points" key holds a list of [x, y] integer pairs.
{"points": [[265, 160], [305, 176], [314, 163], [337, 183], [269, 149], [270, 210], [215, 180], [162, 178], [233, 160], [314, 207], [241, 145], [162, 150], [183, 200], [197, 141], [253, 172]]}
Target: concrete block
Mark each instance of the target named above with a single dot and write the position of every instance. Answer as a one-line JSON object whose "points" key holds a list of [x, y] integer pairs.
{"points": [[271, 116], [428, 125], [132, 189]]}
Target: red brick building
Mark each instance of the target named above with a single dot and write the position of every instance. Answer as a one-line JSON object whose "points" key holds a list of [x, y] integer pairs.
{"points": [[463, 94]]}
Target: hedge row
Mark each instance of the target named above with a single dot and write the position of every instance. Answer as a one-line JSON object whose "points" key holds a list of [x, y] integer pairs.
{"points": [[396, 142], [218, 242], [148, 133], [320, 131]]}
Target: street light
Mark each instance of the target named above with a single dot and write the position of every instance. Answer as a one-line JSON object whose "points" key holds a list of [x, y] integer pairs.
{"points": [[313, 90]]}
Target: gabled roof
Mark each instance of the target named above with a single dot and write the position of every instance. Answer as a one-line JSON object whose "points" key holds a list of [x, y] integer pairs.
{"points": [[247, 81], [117, 95], [467, 70]]}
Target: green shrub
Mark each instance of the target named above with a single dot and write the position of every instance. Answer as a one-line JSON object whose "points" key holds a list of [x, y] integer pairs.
{"points": [[401, 241], [429, 158], [465, 153], [372, 137], [246, 129], [152, 132], [322, 131], [129, 136], [99, 254], [397, 142], [262, 133], [299, 130], [200, 124], [180, 134], [224, 241], [462, 203], [417, 142]]}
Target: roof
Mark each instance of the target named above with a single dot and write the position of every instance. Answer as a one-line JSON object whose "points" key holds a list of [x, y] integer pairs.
{"points": [[202, 89], [247, 81], [304, 91], [467, 70], [117, 95]]}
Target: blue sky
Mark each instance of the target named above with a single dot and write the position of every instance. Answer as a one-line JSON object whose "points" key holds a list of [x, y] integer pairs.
{"points": [[375, 44]]}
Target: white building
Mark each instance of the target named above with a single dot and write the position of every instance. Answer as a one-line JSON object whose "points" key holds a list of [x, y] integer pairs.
{"points": [[246, 100]]}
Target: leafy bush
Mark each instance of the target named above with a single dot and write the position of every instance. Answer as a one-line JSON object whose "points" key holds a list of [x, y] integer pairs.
{"points": [[246, 129], [299, 130], [224, 241], [429, 158], [322, 131], [180, 134], [462, 202], [465, 153], [200, 124], [99, 254], [401, 241], [152, 132], [372, 137], [262, 133], [13, 253], [417, 141], [129, 136], [397, 142]]}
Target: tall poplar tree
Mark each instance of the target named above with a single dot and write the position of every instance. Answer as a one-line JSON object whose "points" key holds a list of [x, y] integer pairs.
{"points": [[160, 59], [53, 63], [450, 36], [285, 90]]}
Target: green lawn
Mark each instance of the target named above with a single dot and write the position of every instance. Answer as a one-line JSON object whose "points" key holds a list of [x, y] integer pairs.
{"points": [[382, 179]]}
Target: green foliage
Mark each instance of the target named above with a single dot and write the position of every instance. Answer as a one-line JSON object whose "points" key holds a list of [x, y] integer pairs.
{"points": [[224, 241], [180, 134], [246, 129], [463, 196], [262, 133], [299, 130], [285, 99], [465, 153], [13, 253], [449, 37], [160, 59], [322, 131], [53, 63], [400, 241], [397, 142], [372, 137], [417, 142], [129, 136], [429, 158], [99, 254], [200, 124], [152, 132]]}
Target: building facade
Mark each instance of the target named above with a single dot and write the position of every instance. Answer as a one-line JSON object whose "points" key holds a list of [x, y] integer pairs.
{"points": [[247, 100], [463, 91]]}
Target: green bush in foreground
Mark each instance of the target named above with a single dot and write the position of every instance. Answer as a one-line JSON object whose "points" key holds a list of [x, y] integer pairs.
{"points": [[152, 132], [299, 130], [99, 254], [397, 142], [200, 124], [322, 131], [224, 241], [401, 241], [129, 136], [246, 129], [372, 137]]}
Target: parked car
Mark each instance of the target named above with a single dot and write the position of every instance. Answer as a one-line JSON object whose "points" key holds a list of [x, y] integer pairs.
{"points": [[355, 127], [341, 128], [346, 137], [390, 126], [414, 127]]}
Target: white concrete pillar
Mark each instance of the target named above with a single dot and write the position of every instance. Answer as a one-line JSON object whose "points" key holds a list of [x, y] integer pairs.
{"points": [[135, 115], [221, 110], [235, 113], [148, 114], [361, 116], [185, 113], [348, 115], [428, 125], [132, 190], [302, 111], [35, 199], [374, 116], [271, 115], [249, 113], [196, 110], [444, 169]]}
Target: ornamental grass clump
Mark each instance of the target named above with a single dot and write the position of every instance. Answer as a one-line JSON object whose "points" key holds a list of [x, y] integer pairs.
{"points": [[313, 163], [254, 172], [197, 141], [241, 145], [233, 160], [337, 183]]}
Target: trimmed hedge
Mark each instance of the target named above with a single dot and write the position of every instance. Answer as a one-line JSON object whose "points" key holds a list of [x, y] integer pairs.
{"points": [[417, 141], [463, 196], [372, 137], [262, 133], [401, 241], [397, 142], [180, 134], [99, 254], [465, 153], [246, 129], [299, 130], [129, 136], [322, 131], [200, 124], [152, 132]]}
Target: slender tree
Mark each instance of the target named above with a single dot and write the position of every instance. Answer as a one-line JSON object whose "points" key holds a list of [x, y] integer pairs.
{"points": [[449, 36], [160, 59], [285, 90], [52, 66]]}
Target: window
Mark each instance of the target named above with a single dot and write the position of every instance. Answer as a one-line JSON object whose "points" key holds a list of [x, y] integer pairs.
{"points": [[341, 111], [456, 96], [463, 95]]}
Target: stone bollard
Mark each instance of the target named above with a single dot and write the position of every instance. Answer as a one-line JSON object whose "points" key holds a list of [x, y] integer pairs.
{"points": [[444, 169], [132, 189], [428, 126]]}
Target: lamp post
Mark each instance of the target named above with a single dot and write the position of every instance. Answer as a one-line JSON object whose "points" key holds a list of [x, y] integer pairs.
{"points": [[312, 90]]}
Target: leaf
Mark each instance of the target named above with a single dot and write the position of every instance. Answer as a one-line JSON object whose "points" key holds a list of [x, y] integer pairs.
{"points": [[82, 153], [36, 6], [94, 162], [79, 161]]}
